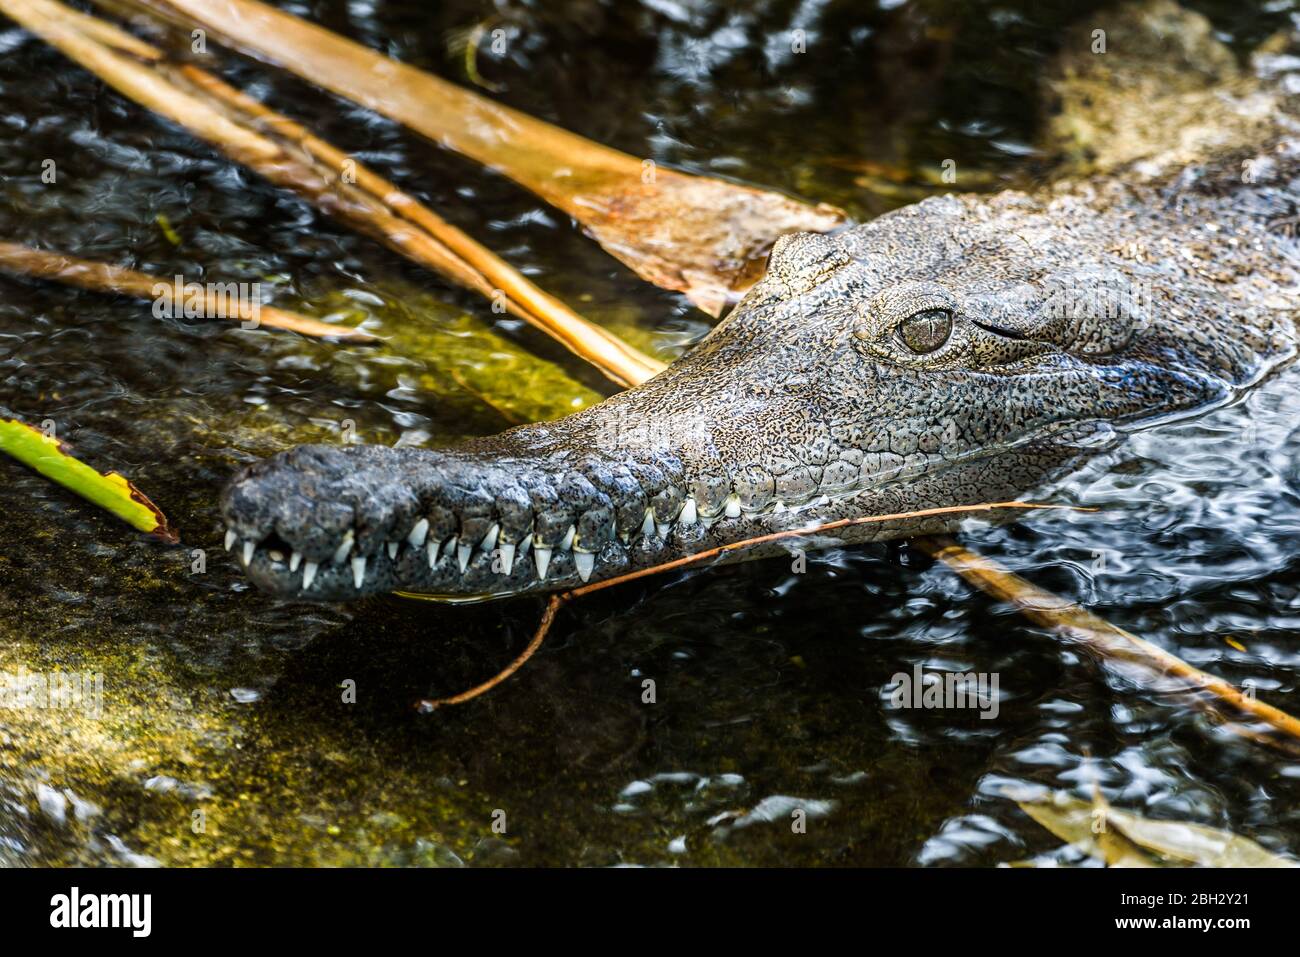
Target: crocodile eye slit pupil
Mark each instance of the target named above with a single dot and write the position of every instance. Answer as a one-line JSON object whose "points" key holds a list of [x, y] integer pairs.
{"points": [[926, 331]]}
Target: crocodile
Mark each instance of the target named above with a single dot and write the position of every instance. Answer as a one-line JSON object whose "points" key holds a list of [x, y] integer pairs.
{"points": [[962, 350]]}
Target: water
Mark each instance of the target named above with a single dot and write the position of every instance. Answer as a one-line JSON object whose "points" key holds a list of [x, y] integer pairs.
{"points": [[237, 730]]}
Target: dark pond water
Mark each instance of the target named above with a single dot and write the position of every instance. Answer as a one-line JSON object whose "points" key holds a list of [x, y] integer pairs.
{"points": [[224, 737]]}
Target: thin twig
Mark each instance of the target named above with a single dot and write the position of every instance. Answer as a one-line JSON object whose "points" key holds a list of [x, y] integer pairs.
{"points": [[552, 606], [817, 530], [1040, 606], [290, 156], [103, 277], [548, 616], [693, 234], [474, 265], [1080, 625], [505, 414]]}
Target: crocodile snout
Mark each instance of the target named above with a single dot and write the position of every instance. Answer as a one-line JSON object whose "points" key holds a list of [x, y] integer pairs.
{"points": [[328, 523]]}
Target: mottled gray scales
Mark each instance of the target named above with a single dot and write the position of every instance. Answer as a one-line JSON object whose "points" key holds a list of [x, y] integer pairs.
{"points": [[962, 350]]}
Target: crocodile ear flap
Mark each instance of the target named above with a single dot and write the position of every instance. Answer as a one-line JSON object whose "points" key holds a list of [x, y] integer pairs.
{"points": [[801, 260]]}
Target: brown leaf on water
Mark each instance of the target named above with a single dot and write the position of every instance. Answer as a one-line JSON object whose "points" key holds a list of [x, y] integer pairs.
{"points": [[1196, 843], [691, 234], [1083, 826], [1123, 839]]}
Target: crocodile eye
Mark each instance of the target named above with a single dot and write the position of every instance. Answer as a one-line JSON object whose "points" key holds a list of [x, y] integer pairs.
{"points": [[926, 331]]}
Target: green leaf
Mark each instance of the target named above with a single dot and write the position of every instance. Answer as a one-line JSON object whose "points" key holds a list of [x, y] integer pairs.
{"points": [[109, 490]]}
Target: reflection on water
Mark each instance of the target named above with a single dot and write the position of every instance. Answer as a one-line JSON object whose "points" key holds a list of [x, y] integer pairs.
{"points": [[238, 730]]}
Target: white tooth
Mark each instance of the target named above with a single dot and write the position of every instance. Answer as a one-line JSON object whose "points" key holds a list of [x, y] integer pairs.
{"points": [[248, 551], [432, 549], [231, 538], [463, 553], [295, 559], [392, 549], [779, 506], [490, 539], [525, 545], [585, 562], [418, 533], [567, 541], [275, 555], [688, 513], [663, 529], [308, 574], [359, 570], [345, 546], [507, 558], [543, 558], [732, 507], [648, 526], [708, 520]]}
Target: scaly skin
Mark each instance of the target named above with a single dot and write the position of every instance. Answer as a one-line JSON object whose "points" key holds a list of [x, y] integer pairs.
{"points": [[958, 351]]}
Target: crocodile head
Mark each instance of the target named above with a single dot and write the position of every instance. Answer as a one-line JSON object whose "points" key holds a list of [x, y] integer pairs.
{"points": [[954, 352]]}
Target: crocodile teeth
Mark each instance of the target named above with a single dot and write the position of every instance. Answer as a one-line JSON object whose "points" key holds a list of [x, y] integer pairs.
{"points": [[392, 549], [419, 532], [490, 539], [359, 570], [688, 514], [308, 574], [275, 555], [507, 558], [248, 551], [345, 546], [231, 538], [732, 508], [584, 562], [543, 558], [567, 541], [295, 559], [663, 530], [648, 524], [463, 553], [525, 544], [432, 549]]}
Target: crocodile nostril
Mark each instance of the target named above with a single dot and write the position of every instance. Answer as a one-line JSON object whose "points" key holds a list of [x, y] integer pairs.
{"points": [[801, 260]]}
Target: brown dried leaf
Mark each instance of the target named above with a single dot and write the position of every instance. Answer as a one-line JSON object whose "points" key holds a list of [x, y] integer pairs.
{"points": [[1123, 839], [691, 234]]}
